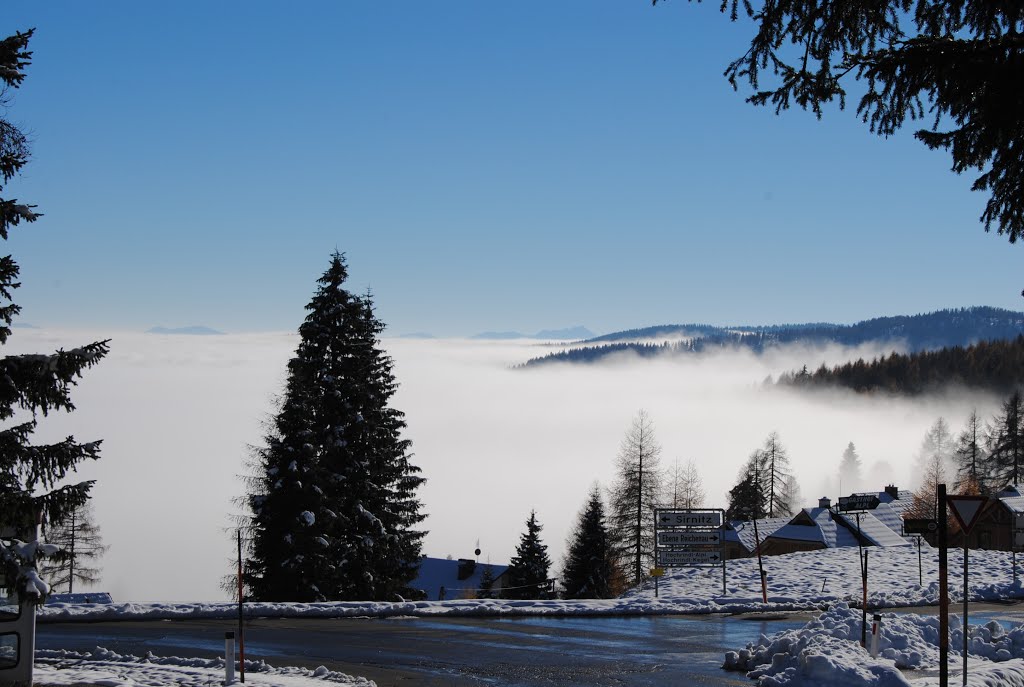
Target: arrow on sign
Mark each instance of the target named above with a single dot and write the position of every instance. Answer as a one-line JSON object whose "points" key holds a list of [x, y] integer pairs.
{"points": [[966, 509], [677, 557], [689, 518]]}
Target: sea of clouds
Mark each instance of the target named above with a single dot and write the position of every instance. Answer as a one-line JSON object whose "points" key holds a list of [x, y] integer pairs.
{"points": [[178, 413]]}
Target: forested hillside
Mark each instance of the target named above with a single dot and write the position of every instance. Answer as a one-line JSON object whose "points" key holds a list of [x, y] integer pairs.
{"points": [[915, 333], [994, 365]]}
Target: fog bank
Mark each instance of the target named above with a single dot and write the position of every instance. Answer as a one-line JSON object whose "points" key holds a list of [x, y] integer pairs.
{"points": [[177, 413]]}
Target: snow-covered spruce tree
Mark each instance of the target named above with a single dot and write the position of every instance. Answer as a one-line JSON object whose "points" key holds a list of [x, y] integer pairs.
{"points": [[747, 498], [486, 590], [849, 470], [634, 495], [588, 570], [528, 570], [333, 502], [30, 386]]}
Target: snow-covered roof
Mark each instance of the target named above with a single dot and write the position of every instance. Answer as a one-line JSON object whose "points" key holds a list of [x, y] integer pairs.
{"points": [[833, 535], [873, 529], [799, 533], [891, 515], [435, 573], [1012, 496], [899, 505], [1014, 503], [743, 532]]}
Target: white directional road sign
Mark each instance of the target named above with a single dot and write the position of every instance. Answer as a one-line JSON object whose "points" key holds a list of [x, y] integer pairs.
{"points": [[689, 518], [689, 537], [676, 557]]}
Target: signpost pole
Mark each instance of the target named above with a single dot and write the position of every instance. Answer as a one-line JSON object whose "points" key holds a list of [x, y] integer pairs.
{"points": [[864, 602], [940, 495], [724, 590], [965, 609], [241, 616], [966, 509]]}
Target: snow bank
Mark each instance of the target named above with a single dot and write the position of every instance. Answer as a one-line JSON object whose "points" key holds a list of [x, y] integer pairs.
{"points": [[827, 651], [109, 669]]}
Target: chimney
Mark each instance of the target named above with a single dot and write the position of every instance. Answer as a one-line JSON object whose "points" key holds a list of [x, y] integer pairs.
{"points": [[466, 568], [892, 491], [824, 502]]}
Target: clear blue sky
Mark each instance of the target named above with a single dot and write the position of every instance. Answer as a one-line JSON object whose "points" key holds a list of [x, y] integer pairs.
{"points": [[518, 165]]}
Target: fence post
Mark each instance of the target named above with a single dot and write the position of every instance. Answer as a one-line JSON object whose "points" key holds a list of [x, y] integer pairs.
{"points": [[229, 658]]}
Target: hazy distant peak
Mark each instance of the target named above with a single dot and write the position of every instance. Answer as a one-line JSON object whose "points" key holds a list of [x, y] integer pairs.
{"points": [[417, 335], [577, 332], [499, 335], [195, 330], [573, 333]]}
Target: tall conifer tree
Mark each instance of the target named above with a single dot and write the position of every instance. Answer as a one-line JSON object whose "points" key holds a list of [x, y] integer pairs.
{"points": [[588, 572], [748, 499], [333, 501], [32, 384], [528, 569], [81, 544], [634, 495], [1006, 447], [849, 470], [971, 458]]}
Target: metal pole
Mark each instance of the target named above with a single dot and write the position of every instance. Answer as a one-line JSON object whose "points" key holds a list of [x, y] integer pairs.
{"points": [[864, 602], [721, 543], [965, 609], [940, 494], [241, 625]]}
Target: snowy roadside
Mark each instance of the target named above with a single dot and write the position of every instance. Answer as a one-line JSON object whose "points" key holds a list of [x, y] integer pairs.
{"points": [[801, 581], [108, 669], [826, 652]]}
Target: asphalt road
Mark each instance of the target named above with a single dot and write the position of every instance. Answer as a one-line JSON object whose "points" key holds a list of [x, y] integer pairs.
{"points": [[686, 650]]}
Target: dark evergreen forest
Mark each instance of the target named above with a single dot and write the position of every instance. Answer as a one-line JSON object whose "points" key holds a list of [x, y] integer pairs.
{"points": [[993, 365]]}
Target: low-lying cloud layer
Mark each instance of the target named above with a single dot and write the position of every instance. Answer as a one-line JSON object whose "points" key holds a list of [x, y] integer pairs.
{"points": [[177, 413]]}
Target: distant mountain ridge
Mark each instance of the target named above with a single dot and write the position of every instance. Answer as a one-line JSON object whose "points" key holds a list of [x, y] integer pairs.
{"points": [[927, 331], [576, 333], [194, 330]]}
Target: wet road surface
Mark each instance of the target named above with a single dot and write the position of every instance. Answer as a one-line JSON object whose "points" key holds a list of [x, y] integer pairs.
{"points": [[469, 652]]}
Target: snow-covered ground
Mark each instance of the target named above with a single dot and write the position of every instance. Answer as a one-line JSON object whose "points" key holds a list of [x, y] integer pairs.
{"points": [[827, 653], [108, 669], [799, 581], [823, 653]]}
